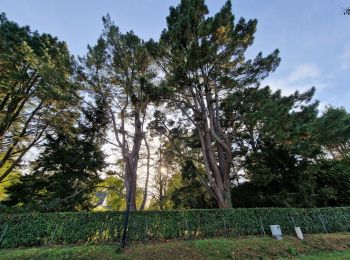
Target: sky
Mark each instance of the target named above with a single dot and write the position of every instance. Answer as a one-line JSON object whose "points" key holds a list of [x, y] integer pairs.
{"points": [[313, 36]]}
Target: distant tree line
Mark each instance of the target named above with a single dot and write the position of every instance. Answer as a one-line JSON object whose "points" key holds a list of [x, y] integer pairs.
{"points": [[185, 118]]}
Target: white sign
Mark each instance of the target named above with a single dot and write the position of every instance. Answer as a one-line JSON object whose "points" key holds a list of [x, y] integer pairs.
{"points": [[299, 233], [276, 231]]}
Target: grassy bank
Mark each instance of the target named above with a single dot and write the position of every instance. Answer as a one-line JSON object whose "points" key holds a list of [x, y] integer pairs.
{"points": [[322, 246]]}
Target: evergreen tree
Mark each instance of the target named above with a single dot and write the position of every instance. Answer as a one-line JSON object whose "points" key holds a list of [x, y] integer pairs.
{"points": [[36, 89], [275, 145], [203, 60], [120, 68], [189, 193], [333, 132], [283, 150], [332, 183], [67, 172]]}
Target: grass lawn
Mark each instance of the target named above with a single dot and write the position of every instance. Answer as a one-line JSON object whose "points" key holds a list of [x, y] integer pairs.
{"points": [[331, 256], [322, 246]]}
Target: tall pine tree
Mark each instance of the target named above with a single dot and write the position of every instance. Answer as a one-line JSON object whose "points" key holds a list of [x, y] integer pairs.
{"points": [[202, 58]]}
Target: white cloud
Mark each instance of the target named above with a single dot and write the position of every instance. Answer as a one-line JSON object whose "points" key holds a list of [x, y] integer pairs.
{"points": [[301, 78], [304, 72], [322, 107]]}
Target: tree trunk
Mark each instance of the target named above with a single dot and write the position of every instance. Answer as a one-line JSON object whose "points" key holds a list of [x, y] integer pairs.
{"points": [[215, 147], [130, 187], [133, 197], [130, 157], [145, 193]]}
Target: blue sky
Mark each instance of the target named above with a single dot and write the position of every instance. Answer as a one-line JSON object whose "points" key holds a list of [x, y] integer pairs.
{"points": [[312, 35]]}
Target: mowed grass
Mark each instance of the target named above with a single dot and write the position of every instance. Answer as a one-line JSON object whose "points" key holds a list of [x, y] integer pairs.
{"points": [[343, 255], [62, 252], [321, 246]]}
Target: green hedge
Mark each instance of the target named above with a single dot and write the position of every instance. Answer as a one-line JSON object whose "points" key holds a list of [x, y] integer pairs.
{"points": [[60, 228]]}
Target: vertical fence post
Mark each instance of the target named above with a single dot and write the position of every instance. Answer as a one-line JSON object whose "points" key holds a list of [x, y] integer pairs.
{"points": [[146, 230], [346, 221], [225, 227], [187, 232], [294, 223], [101, 231], [198, 229], [3, 233], [53, 234], [262, 226], [323, 225]]}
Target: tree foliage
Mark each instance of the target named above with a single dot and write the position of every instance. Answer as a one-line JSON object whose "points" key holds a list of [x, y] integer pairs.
{"points": [[35, 89], [115, 194], [189, 192], [203, 60], [285, 156], [67, 171], [120, 69], [190, 105]]}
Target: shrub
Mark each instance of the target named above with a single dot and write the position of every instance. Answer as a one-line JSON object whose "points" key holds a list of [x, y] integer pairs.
{"points": [[37, 229]]}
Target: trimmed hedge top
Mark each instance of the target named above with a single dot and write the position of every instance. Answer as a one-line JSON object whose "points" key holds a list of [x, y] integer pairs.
{"points": [[37, 229]]}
